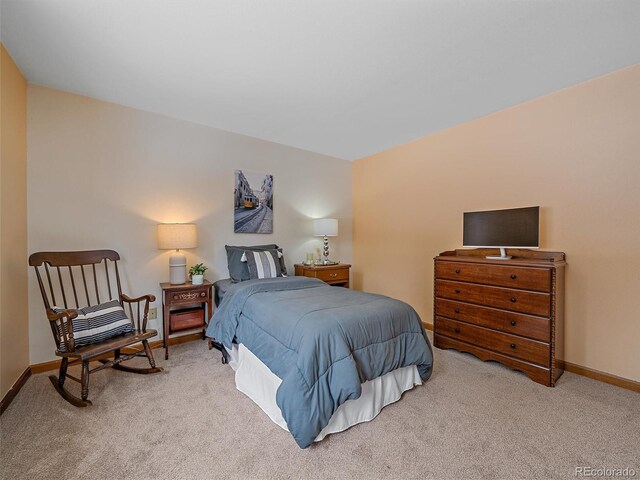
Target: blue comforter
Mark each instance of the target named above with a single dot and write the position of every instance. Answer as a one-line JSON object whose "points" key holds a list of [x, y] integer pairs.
{"points": [[322, 341]]}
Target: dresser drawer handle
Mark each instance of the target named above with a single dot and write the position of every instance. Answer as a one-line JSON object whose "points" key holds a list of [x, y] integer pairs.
{"points": [[457, 330], [333, 275], [457, 270], [457, 290], [513, 276], [513, 345], [457, 310], [513, 300], [513, 323]]}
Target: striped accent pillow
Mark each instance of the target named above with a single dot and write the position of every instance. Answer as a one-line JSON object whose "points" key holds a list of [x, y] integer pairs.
{"points": [[263, 264], [99, 322]]}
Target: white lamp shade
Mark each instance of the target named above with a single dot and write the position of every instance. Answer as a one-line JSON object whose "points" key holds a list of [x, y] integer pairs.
{"points": [[325, 226], [177, 235]]}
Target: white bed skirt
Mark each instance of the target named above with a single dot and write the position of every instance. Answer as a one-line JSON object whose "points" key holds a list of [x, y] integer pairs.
{"points": [[256, 381]]}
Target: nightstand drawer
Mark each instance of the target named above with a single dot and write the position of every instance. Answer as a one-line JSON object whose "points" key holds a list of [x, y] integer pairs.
{"points": [[516, 300], [186, 319], [188, 296], [538, 279], [337, 275], [332, 275]]}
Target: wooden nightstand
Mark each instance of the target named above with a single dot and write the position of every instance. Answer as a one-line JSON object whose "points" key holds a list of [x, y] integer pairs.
{"points": [[185, 308], [332, 274]]}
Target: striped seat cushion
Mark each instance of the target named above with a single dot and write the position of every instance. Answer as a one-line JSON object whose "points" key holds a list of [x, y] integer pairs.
{"points": [[99, 322], [263, 264]]}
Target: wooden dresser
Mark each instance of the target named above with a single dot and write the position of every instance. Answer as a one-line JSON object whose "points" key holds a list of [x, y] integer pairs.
{"points": [[510, 311]]}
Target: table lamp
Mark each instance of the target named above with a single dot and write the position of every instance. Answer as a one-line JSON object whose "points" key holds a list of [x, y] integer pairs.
{"points": [[325, 227], [176, 236]]}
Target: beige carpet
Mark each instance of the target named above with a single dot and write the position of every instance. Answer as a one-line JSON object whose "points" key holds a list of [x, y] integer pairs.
{"points": [[471, 420]]}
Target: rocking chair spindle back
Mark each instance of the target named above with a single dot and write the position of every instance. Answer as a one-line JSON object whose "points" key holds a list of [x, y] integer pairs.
{"points": [[60, 277]]}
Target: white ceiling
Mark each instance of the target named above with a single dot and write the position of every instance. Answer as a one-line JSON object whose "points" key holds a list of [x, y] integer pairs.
{"points": [[346, 78]]}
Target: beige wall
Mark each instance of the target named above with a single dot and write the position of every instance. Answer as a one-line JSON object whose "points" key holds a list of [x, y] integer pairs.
{"points": [[576, 153], [14, 331], [102, 176]]}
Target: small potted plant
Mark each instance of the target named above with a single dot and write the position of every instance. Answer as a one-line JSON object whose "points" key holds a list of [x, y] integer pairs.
{"points": [[197, 273]]}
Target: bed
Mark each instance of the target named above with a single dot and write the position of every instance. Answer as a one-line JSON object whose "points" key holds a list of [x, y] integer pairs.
{"points": [[318, 359], [220, 288]]}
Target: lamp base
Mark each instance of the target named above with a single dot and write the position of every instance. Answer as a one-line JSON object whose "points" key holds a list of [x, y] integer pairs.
{"points": [[177, 268], [326, 248]]}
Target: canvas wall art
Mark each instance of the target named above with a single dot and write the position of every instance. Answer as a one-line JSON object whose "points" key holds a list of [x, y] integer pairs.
{"points": [[253, 203]]}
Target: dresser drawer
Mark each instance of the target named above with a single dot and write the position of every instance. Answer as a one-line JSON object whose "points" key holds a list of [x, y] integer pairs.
{"points": [[535, 372], [509, 322], [511, 345], [534, 303], [538, 279]]}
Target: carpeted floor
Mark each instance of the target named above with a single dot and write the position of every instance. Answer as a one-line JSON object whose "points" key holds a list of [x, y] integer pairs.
{"points": [[471, 420]]}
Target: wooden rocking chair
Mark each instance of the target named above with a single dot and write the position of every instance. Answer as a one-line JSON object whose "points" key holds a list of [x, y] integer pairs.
{"points": [[71, 276]]}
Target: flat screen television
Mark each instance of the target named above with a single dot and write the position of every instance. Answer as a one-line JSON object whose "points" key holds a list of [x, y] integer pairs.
{"points": [[510, 228]]}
